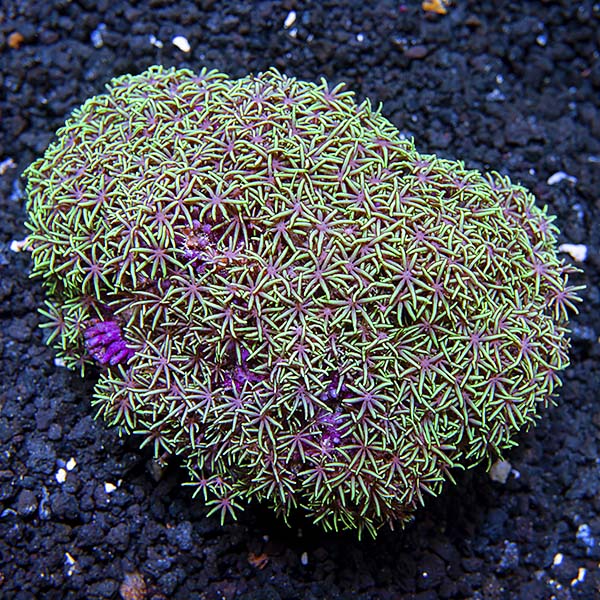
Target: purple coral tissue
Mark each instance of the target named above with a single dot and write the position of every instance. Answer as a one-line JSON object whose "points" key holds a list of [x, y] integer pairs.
{"points": [[104, 341]]}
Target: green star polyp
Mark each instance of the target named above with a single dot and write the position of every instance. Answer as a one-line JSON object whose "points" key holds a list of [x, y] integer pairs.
{"points": [[279, 289]]}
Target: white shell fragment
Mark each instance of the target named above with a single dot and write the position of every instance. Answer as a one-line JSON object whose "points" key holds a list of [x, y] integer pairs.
{"points": [[71, 464], [18, 245], [6, 164], [580, 576], [290, 19], [578, 252], [559, 176], [109, 488], [61, 475], [181, 42]]}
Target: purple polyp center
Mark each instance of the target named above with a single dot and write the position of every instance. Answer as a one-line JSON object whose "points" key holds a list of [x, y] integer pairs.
{"points": [[104, 341], [331, 422], [240, 374], [330, 426]]}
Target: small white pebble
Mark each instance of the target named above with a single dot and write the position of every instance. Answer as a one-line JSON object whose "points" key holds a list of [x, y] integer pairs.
{"points": [[557, 560], [96, 36], [71, 464], [109, 488], [59, 362], [495, 96], [500, 471], [360, 37], [61, 476], [559, 176], [181, 42], [584, 535], [304, 558], [19, 245], [71, 563], [578, 252], [290, 19], [155, 41]]}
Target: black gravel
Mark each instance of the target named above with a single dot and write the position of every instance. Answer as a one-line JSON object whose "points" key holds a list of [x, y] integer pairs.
{"points": [[510, 86]]}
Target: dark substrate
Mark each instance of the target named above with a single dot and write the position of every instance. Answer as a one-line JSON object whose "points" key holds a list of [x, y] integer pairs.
{"points": [[511, 86]]}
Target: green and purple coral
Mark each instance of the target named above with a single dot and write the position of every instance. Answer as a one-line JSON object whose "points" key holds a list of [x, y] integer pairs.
{"points": [[279, 289]]}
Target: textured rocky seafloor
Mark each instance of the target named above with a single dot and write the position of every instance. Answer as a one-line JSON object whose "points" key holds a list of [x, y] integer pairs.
{"points": [[510, 86]]}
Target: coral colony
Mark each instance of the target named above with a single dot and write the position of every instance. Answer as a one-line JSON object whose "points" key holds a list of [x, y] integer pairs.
{"points": [[282, 291]]}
